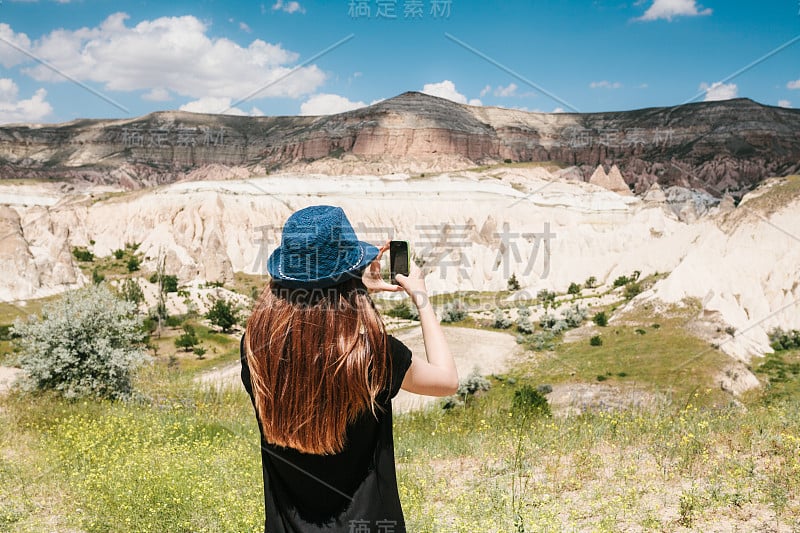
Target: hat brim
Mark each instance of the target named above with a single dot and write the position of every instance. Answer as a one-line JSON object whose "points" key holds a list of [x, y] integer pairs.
{"points": [[368, 254]]}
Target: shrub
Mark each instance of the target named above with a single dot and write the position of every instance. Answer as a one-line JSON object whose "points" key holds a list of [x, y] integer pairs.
{"points": [[529, 400], [132, 246], [5, 332], [640, 331], [97, 277], [513, 283], [596, 341], [622, 280], [188, 339], [632, 289], [87, 343], [574, 288], [600, 319], [501, 321], [574, 316], [545, 296], [82, 254], [590, 283], [454, 312], [133, 264], [223, 314], [118, 254], [524, 321], [404, 310], [473, 384], [200, 352], [542, 341], [781, 340], [170, 283]]}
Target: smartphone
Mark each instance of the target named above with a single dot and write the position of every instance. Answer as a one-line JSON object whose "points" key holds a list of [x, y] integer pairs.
{"points": [[398, 259]]}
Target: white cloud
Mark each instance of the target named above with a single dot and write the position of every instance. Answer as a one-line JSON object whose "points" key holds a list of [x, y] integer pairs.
{"points": [[328, 104], [793, 84], [288, 7], [785, 103], [9, 55], [504, 91], [447, 89], [558, 110], [507, 91], [475, 102], [719, 91], [245, 28], [158, 94], [214, 105], [605, 85], [174, 54], [33, 109], [667, 9]]}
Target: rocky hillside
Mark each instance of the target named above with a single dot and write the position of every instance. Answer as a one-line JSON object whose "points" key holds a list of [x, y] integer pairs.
{"points": [[716, 146]]}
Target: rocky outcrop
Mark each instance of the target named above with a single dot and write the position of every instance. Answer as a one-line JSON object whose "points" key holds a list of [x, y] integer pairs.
{"points": [[655, 194], [612, 181], [717, 146]]}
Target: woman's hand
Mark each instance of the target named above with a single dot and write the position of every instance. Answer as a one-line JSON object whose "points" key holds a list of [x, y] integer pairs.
{"points": [[372, 275], [414, 284]]}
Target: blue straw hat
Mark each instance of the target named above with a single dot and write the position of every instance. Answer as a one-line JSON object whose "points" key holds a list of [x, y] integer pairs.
{"points": [[319, 248]]}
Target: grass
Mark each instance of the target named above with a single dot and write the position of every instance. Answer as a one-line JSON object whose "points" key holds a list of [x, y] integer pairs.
{"points": [[186, 458]]}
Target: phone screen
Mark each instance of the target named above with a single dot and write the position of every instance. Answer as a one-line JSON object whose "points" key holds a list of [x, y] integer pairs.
{"points": [[398, 259]]}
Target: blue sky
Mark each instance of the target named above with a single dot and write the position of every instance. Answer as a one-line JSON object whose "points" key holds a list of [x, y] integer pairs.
{"points": [[68, 59]]}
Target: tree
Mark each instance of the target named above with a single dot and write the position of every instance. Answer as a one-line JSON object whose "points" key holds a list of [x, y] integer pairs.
{"points": [[513, 283], [131, 291], [188, 339], [170, 283], [590, 283], [223, 314], [87, 343]]}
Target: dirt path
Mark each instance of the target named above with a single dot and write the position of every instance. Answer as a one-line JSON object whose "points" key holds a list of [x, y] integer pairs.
{"points": [[488, 351]]}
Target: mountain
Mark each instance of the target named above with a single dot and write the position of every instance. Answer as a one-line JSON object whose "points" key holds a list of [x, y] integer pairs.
{"points": [[720, 146]]}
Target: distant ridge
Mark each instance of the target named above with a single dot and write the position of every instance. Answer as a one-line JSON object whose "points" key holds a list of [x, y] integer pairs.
{"points": [[719, 146]]}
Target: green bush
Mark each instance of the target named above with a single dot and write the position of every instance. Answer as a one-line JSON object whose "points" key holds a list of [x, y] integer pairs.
{"points": [[133, 264], [87, 343], [529, 400], [404, 310], [454, 312], [223, 314], [119, 254], [513, 283], [5, 332], [574, 288], [188, 339], [590, 283], [97, 277], [600, 319], [596, 341], [632, 289], [622, 280], [82, 254], [545, 296], [170, 283], [781, 340]]}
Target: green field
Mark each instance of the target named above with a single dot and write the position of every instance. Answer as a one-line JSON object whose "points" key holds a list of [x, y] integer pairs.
{"points": [[185, 458]]}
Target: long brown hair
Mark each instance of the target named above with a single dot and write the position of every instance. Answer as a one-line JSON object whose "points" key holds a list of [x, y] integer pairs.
{"points": [[318, 359]]}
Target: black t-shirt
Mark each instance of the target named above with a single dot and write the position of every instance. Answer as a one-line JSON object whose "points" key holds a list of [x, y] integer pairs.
{"points": [[354, 490]]}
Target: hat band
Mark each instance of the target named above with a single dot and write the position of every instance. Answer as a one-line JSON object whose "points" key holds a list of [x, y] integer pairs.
{"points": [[351, 267]]}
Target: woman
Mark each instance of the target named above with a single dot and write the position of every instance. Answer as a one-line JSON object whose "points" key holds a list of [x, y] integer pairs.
{"points": [[321, 372]]}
